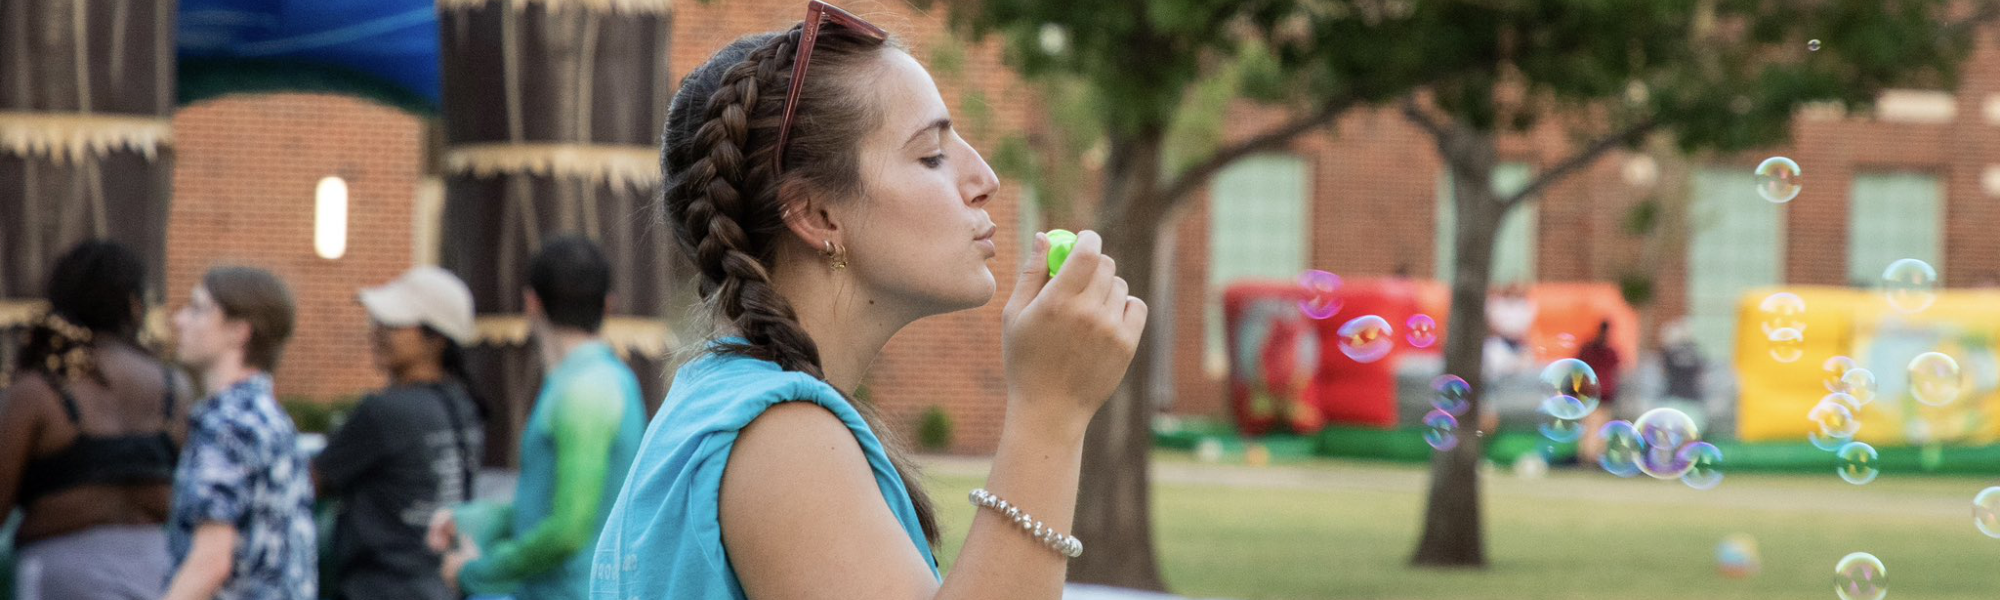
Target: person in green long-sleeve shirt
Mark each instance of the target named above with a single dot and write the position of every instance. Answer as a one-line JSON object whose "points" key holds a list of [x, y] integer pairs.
{"points": [[578, 445]]}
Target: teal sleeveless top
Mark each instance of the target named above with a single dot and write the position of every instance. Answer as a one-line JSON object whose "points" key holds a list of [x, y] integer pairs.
{"points": [[663, 538]]}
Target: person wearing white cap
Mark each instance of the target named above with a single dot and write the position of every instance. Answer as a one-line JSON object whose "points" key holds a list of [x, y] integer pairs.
{"points": [[408, 449]]}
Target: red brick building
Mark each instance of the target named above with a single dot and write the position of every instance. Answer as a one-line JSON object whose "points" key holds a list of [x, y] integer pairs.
{"points": [[1366, 191]]}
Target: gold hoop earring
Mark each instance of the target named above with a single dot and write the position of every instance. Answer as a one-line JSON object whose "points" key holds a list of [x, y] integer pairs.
{"points": [[835, 256]]}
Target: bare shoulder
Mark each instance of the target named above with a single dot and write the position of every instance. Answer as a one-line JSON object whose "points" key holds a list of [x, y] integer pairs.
{"points": [[802, 516]]}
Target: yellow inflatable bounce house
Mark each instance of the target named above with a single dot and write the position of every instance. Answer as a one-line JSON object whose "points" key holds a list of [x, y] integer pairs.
{"points": [[1783, 376]]}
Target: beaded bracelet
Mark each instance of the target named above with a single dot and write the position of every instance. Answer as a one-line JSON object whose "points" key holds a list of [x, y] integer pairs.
{"points": [[1067, 546]]}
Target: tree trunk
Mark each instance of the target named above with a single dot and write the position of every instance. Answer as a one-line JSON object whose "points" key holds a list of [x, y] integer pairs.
{"points": [[1114, 510], [86, 91], [1453, 535], [551, 110]]}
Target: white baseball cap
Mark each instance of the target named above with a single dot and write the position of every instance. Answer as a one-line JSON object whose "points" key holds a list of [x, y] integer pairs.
{"points": [[427, 296]]}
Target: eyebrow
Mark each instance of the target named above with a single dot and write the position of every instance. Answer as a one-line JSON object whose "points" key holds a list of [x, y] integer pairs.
{"points": [[938, 125]]}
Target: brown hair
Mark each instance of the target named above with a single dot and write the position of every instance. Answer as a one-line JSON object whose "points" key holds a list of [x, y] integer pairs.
{"points": [[257, 297], [722, 194]]}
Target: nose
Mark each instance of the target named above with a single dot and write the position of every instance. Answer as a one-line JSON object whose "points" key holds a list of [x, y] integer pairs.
{"points": [[979, 182]]}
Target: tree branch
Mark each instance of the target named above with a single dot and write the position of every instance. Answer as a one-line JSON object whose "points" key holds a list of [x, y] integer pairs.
{"points": [[1583, 159], [1415, 113], [1266, 140]]}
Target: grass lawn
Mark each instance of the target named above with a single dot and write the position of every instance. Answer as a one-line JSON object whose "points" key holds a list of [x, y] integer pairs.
{"points": [[1346, 529]]}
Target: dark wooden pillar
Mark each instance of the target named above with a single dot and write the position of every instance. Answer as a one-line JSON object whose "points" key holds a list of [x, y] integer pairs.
{"points": [[551, 112], [86, 90]]}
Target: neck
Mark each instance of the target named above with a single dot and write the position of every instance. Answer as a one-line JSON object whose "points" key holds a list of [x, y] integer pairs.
{"points": [[225, 373], [556, 343], [428, 372], [849, 325]]}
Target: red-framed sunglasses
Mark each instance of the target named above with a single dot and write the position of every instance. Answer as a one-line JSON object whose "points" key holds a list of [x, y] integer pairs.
{"points": [[817, 12]]}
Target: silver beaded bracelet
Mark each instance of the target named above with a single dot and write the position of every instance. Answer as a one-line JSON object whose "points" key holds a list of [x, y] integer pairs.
{"points": [[1067, 546]]}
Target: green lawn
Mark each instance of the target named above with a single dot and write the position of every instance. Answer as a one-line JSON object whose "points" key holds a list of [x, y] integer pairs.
{"points": [[1345, 530]]}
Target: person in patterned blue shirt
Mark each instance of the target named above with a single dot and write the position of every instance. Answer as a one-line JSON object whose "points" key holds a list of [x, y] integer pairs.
{"points": [[241, 525]]}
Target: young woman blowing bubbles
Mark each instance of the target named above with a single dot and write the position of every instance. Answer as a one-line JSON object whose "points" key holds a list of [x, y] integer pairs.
{"points": [[826, 208]]}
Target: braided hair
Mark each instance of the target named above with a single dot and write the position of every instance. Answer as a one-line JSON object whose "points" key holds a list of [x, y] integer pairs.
{"points": [[92, 291], [721, 192]]}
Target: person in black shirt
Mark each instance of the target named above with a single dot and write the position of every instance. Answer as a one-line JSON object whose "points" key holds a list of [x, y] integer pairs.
{"points": [[407, 450]]}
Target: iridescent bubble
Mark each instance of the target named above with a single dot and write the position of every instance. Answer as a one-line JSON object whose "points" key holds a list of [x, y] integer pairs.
{"points": [[1568, 408], [1663, 431], [1783, 310], [1451, 394], [1622, 448], [1986, 512], [1573, 378], [1859, 384], [1826, 442], [1858, 462], [1420, 331], [1860, 576], [1704, 465], [1787, 345], [1440, 430], [1778, 180], [1366, 339], [1322, 294], [1556, 428], [1835, 416], [1812, 45], [1935, 379], [1836, 368], [1910, 285]]}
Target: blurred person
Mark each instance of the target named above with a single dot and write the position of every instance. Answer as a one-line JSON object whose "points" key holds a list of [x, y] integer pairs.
{"points": [[90, 428], [575, 451], [1609, 366], [821, 227], [409, 449], [1682, 362], [241, 526], [1510, 315]]}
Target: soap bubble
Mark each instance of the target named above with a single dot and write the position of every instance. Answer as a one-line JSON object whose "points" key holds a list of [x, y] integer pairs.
{"points": [[1787, 345], [1935, 379], [1622, 448], [1835, 416], [1663, 431], [1858, 463], [1704, 465], [1450, 393], [1812, 45], [1783, 310], [1910, 285], [1322, 294], [1440, 430], [1860, 576], [1986, 512], [1859, 384], [1836, 368], [1366, 339], [1778, 180], [1420, 331], [1575, 379]]}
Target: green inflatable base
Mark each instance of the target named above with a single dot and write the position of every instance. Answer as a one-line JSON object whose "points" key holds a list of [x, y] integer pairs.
{"points": [[1407, 445]]}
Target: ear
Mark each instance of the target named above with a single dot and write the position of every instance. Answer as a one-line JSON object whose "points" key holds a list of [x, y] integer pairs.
{"points": [[610, 300], [807, 215], [239, 332]]}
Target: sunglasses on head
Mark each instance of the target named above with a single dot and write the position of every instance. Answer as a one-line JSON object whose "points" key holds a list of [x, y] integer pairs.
{"points": [[818, 13]]}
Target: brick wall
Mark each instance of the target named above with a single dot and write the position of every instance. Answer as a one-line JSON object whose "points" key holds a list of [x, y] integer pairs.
{"points": [[243, 194]]}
